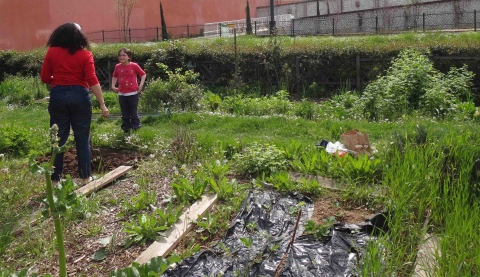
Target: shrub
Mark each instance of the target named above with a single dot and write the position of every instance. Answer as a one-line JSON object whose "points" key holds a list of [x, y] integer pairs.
{"points": [[412, 83], [155, 95], [305, 109], [213, 101], [179, 89], [258, 159], [445, 91], [399, 91], [15, 140], [22, 90], [111, 100]]}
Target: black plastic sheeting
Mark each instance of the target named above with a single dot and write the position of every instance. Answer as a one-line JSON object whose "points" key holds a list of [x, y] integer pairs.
{"points": [[274, 216]]}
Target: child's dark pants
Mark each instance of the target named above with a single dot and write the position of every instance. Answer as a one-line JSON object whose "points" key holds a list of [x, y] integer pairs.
{"points": [[129, 107]]}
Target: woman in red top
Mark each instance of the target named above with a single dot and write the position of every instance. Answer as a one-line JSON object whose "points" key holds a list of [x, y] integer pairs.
{"points": [[68, 67], [128, 89]]}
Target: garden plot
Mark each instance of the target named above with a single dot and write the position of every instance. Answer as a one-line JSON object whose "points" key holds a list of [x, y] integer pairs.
{"points": [[265, 240], [85, 237]]}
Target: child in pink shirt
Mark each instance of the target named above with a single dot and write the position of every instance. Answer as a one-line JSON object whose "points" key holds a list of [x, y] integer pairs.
{"points": [[128, 89]]}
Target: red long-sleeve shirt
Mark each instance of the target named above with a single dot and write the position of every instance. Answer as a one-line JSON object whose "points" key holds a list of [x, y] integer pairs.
{"points": [[61, 68]]}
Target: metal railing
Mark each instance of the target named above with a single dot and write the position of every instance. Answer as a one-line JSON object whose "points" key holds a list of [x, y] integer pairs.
{"points": [[340, 24]]}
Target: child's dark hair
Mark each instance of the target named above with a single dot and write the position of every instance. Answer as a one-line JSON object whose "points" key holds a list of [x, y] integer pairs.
{"points": [[126, 51], [69, 36]]}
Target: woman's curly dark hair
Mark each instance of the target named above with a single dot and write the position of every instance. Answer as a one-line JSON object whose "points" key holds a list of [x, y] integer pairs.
{"points": [[69, 36]]}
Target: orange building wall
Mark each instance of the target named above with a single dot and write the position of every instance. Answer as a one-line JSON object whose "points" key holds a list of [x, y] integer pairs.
{"points": [[27, 24]]}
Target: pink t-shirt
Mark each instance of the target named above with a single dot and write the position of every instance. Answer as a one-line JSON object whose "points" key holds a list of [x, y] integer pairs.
{"points": [[127, 77]]}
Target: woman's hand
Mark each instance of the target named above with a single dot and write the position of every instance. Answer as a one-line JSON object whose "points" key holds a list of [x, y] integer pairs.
{"points": [[104, 110], [115, 89]]}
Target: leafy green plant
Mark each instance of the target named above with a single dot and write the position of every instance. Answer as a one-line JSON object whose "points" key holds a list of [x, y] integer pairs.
{"points": [[362, 195], [216, 168], [309, 186], [306, 163], [170, 216], [223, 187], [281, 181], [140, 202], [294, 149], [294, 209], [67, 201], [273, 248], [155, 267], [208, 222], [258, 159], [145, 228], [190, 249], [108, 246], [248, 241], [362, 169], [320, 230], [187, 191], [251, 226], [325, 164]]}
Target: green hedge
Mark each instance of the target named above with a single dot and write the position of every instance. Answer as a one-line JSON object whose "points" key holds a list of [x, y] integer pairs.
{"points": [[273, 61]]}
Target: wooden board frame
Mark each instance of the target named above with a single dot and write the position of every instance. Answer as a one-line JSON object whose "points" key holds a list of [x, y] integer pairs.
{"points": [[177, 232]]}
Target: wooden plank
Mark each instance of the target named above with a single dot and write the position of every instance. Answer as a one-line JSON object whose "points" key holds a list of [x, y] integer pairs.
{"points": [[324, 182], [108, 178], [329, 183], [426, 263], [85, 190], [174, 235]]}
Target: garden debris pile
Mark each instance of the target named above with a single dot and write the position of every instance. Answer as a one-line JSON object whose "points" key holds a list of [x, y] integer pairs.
{"points": [[352, 142], [260, 234]]}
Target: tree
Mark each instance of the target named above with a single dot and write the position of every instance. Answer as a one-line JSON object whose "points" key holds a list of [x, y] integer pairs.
{"points": [[318, 7], [123, 12], [162, 22], [249, 20]]}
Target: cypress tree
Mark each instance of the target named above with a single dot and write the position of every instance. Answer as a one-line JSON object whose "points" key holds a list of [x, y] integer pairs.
{"points": [[249, 20], [164, 26]]}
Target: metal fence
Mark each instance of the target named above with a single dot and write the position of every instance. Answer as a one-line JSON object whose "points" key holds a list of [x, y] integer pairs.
{"points": [[340, 24]]}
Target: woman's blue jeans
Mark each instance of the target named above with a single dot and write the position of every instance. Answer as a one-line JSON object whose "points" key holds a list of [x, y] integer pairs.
{"points": [[71, 106]]}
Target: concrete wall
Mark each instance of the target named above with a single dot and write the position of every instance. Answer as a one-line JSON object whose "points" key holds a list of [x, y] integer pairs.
{"points": [[27, 24], [309, 8]]}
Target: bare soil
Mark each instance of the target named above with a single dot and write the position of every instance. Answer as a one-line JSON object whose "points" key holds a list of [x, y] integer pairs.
{"points": [[81, 245], [103, 160]]}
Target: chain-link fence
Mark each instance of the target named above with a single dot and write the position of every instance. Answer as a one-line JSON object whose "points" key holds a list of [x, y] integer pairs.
{"points": [[385, 22]]}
